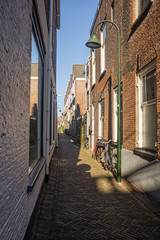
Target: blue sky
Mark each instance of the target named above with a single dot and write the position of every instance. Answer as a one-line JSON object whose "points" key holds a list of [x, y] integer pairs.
{"points": [[76, 21]]}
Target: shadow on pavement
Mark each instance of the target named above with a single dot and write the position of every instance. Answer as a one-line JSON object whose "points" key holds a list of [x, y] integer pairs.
{"points": [[82, 201]]}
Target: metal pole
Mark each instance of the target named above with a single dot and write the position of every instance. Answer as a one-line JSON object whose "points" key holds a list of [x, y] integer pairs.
{"points": [[119, 104]]}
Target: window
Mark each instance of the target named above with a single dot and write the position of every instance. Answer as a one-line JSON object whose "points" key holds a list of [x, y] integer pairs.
{"points": [[54, 119], [92, 126], [36, 95], [101, 119], [141, 5], [116, 115], [51, 116], [35, 104], [112, 12], [147, 108], [103, 49], [93, 67]]}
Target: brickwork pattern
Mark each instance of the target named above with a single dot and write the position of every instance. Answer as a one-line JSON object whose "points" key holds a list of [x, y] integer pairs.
{"points": [[80, 96], [82, 201], [137, 37], [16, 205], [15, 68]]}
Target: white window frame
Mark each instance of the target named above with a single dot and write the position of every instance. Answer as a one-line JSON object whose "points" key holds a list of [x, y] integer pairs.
{"points": [[115, 114], [103, 50], [100, 119], [93, 67], [93, 126], [112, 11], [148, 69]]}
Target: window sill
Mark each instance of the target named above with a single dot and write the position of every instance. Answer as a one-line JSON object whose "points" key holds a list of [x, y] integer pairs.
{"points": [[35, 173], [139, 20], [146, 153]]}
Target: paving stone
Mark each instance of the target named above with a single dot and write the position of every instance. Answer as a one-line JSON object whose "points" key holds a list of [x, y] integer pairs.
{"points": [[83, 201]]}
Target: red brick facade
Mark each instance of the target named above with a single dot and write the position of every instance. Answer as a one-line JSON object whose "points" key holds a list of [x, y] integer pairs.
{"points": [[139, 40]]}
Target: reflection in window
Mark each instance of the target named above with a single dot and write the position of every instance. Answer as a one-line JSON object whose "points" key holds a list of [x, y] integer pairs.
{"points": [[142, 4], [35, 104], [101, 119], [148, 109], [149, 86]]}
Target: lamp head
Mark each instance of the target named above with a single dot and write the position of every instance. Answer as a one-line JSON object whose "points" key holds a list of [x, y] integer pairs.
{"points": [[93, 42]]}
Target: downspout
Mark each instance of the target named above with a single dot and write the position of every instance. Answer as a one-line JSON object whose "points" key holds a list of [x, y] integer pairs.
{"points": [[56, 132], [44, 107], [49, 79]]}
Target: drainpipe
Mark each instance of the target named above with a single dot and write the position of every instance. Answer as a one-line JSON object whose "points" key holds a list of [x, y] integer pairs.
{"points": [[49, 80], [44, 107], [56, 132]]}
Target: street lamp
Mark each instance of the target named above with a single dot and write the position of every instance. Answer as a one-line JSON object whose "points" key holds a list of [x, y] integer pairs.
{"points": [[94, 43]]}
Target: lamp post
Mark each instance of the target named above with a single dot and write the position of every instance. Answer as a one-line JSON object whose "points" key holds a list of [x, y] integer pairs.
{"points": [[94, 43]]}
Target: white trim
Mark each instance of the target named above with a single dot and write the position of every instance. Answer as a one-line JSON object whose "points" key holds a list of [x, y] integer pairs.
{"points": [[99, 120], [93, 68], [34, 77], [115, 114], [140, 106], [92, 126]]}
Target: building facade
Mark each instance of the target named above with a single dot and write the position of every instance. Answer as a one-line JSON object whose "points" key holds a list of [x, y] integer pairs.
{"points": [[138, 22], [28, 131], [74, 101]]}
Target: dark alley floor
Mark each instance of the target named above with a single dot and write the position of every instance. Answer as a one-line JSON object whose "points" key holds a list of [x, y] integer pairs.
{"points": [[82, 201]]}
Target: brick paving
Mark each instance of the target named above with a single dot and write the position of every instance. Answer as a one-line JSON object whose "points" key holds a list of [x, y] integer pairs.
{"points": [[82, 201]]}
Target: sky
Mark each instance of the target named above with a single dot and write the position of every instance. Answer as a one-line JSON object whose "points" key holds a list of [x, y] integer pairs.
{"points": [[76, 18]]}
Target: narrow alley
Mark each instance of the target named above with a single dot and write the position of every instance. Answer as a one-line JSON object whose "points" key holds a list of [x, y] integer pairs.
{"points": [[82, 201]]}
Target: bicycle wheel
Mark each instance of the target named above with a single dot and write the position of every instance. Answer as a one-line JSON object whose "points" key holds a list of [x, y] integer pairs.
{"points": [[99, 155]]}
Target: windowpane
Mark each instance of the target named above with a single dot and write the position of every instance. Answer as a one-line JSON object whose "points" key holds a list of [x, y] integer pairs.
{"points": [[145, 3], [149, 86], [104, 33], [103, 49], [142, 4], [102, 119], [35, 104]]}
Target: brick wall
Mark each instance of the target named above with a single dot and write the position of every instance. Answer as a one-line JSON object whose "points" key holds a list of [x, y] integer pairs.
{"points": [[15, 70], [16, 204], [80, 97], [139, 37]]}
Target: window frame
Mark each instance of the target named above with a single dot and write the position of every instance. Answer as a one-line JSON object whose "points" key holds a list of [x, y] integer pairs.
{"points": [[35, 169], [101, 120], [115, 112], [112, 12], [140, 103], [93, 52], [139, 11], [103, 49]]}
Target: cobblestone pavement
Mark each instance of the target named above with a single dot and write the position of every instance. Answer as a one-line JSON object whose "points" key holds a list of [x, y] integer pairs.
{"points": [[82, 201]]}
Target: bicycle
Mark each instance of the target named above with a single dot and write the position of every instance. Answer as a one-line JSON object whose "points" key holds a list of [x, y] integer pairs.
{"points": [[110, 156], [86, 142], [98, 150]]}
